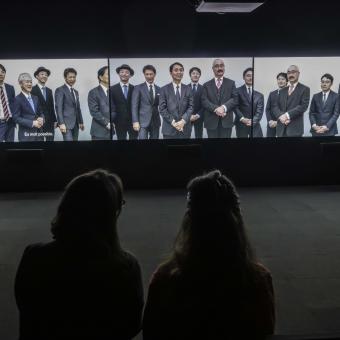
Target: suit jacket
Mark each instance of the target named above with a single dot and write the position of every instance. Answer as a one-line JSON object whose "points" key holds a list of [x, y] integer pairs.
{"points": [[67, 108], [212, 99], [99, 107], [23, 115], [271, 102], [47, 106], [122, 114], [142, 108], [244, 108], [325, 114], [296, 104], [172, 109], [10, 95], [66, 292], [198, 108], [11, 98]]}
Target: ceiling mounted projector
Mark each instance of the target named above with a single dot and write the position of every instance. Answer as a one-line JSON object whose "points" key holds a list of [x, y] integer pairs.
{"points": [[206, 6]]}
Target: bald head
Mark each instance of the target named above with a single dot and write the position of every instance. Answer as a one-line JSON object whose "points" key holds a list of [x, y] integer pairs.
{"points": [[218, 68]]}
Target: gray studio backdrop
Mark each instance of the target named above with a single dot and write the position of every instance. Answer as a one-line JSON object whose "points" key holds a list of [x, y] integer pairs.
{"points": [[86, 80], [311, 70], [234, 70], [266, 69]]}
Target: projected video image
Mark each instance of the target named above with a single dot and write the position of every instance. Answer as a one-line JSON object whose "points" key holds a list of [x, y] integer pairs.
{"points": [[176, 98], [168, 98], [54, 100], [301, 96]]}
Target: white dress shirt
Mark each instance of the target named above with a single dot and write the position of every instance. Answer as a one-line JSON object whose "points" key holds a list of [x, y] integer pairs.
{"points": [[179, 87], [327, 94], [216, 80], [41, 88], [122, 86], [153, 88], [74, 92], [105, 89], [289, 87]]}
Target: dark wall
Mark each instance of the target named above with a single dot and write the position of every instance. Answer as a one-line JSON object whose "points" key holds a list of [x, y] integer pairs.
{"points": [[169, 164], [166, 28], [136, 28]]}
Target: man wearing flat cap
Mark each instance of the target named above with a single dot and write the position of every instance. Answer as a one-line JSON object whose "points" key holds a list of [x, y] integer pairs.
{"points": [[27, 112], [121, 95], [46, 102]]}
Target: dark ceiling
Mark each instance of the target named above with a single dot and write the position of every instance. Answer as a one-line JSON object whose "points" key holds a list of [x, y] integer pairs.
{"points": [[166, 28]]}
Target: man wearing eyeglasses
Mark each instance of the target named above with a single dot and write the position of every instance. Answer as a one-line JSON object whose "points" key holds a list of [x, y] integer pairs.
{"points": [[291, 105]]}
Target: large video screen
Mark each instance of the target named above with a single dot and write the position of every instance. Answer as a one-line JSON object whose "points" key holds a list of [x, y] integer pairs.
{"points": [[301, 96], [168, 98]]}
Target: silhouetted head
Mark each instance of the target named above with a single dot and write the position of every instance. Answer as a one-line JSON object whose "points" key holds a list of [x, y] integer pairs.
{"points": [[89, 209], [213, 230]]}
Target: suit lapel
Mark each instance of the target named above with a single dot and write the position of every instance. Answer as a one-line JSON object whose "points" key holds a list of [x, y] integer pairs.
{"points": [[146, 92], [69, 94], [102, 94], [294, 94], [214, 88], [245, 93], [27, 104]]}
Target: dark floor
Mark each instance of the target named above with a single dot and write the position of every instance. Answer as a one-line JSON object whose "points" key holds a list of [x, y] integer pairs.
{"points": [[296, 232]]}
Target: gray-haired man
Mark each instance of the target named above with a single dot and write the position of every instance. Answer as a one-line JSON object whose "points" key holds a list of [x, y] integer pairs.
{"points": [[27, 112]]}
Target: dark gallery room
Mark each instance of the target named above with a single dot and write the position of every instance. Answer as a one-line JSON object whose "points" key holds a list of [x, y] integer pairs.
{"points": [[170, 170]]}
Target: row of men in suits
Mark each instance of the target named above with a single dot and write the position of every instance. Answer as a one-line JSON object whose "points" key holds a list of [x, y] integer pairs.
{"points": [[218, 105], [35, 111], [135, 112], [287, 104]]}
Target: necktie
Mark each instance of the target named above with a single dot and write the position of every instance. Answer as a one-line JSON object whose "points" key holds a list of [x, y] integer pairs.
{"points": [[7, 114], [151, 94], [249, 93], [195, 88], [219, 83], [178, 96], [291, 89], [44, 92], [324, 99], [30, 100], [125, 91], [74, 96]]}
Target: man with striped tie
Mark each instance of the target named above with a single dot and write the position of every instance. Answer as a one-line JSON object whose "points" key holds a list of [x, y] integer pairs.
{"points": [[7, 96], [27, 113], [292, 103], [219, 99]]}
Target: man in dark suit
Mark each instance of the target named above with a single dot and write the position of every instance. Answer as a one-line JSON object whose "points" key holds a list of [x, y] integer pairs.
{"points": [[67, 106], [99, 106], [292, 103], [250, 108], [197, 117], [176, 105], [121, 94], [145, 100], [7, 96], [219, 99], [282, 81], [27, 112], [324, 109], [46, 102]]}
